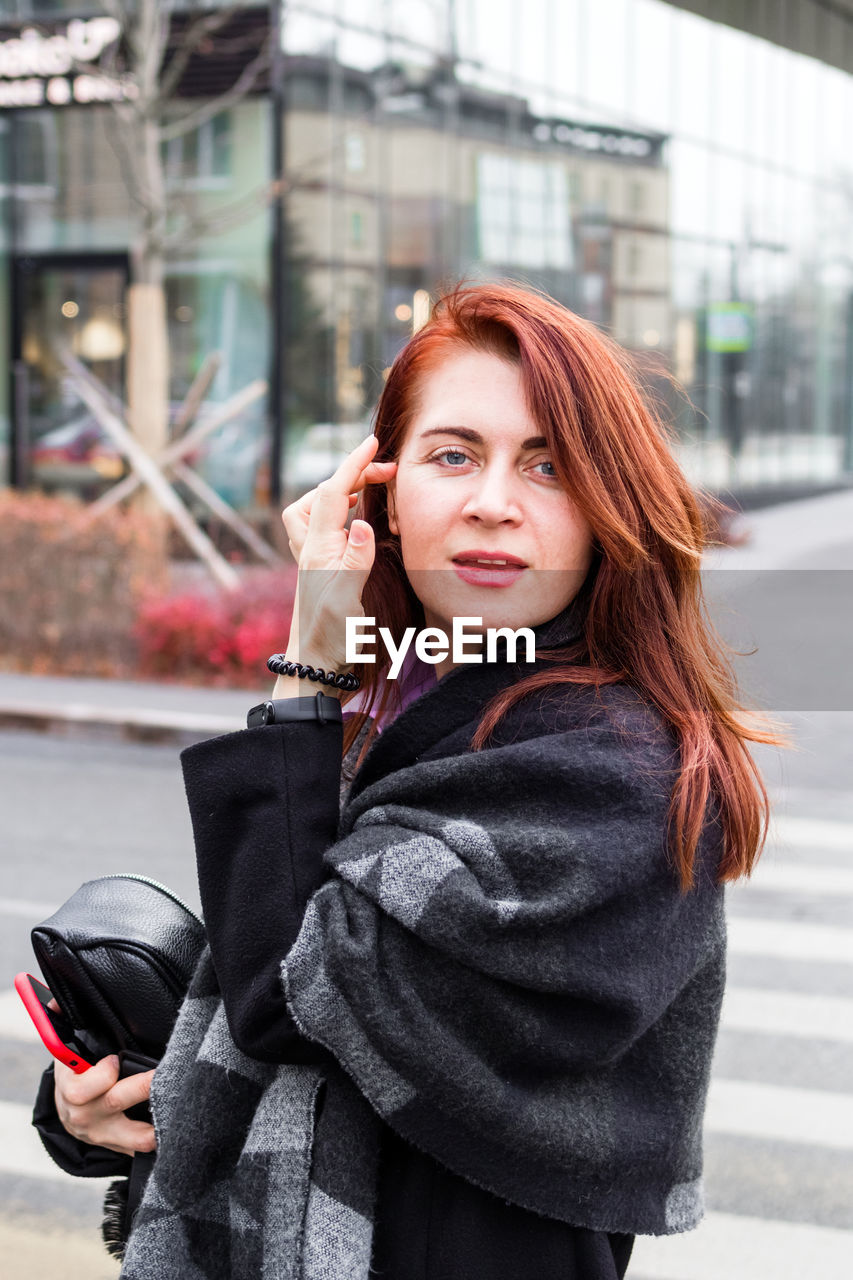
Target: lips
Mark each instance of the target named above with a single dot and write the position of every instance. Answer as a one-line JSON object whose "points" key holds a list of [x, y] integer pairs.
{"points": [[488, 568], [493, 559]]}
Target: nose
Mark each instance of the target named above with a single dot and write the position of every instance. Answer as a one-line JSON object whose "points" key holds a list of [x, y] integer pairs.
{"points": [[493, 498]]}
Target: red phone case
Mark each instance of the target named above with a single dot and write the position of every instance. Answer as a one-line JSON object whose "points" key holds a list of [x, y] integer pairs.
{"points": [[44, 1026]]}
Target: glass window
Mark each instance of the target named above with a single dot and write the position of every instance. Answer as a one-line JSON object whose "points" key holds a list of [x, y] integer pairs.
{"points": [[202, 154], [36, 151], [523, 211], [693, 92], [651, 53], [355, 152], [731, 109]]}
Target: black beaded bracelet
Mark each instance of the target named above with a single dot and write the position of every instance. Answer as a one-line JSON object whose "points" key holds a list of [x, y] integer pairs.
{"points": [[280, 666]]}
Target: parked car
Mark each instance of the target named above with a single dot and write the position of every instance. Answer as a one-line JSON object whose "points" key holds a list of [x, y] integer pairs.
{"points": [[75, 453]]}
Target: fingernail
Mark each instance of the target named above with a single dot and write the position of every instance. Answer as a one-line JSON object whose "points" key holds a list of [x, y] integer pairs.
{"points": [[372, 436], [359, 534], [113, 1061]]}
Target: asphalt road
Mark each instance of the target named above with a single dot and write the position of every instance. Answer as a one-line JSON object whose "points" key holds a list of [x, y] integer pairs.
{"points": [[70, 811], [779, 1133]]}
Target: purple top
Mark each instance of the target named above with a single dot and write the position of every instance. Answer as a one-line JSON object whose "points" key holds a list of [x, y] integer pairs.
{"points": [[414, 679]]}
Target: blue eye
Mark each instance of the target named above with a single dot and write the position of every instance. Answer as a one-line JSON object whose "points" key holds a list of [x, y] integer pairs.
{"points": [[444, 455], [552, 474]]}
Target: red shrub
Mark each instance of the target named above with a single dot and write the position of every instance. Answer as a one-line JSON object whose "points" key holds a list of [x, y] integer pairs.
{"points": [[70, 589], [204, 636]]}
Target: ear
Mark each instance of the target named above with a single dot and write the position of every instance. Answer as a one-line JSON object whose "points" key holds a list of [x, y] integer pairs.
{"points": [[391, 490]]}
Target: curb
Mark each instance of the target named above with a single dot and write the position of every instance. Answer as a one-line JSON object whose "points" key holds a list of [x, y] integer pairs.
{"points": [[134, 724]]}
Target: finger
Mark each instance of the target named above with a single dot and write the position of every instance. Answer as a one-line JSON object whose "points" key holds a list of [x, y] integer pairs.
{"points": [[331, 504], [360, 549], [347, 476], [378, 472], [127, 1136], [321, 512], [129, 1091], [299, 511], [78, 1090]]}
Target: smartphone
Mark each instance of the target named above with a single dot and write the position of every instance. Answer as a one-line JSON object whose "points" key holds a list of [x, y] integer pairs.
{"points": [[54, 1028]]}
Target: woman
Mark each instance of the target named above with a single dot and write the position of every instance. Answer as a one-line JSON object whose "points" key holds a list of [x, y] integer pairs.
{"points": [[462, 1030]]}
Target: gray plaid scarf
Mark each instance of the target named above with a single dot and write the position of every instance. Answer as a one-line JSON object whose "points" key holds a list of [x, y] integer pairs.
{"points": [[500, 966]]}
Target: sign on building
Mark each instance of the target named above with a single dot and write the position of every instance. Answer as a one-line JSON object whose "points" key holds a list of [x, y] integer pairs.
{"points": [[730, 326], [44, 69]]}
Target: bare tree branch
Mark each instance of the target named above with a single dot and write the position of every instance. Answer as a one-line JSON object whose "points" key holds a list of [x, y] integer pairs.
{"points": [[194, 35], [226, 217], [148, 39], [120, 144], [243, 85]]}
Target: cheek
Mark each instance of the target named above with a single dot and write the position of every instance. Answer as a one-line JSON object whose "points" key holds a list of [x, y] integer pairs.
{"points": [[419, 511], [574, 536]]}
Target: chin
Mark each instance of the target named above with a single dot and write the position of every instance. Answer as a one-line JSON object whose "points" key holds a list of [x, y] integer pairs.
{"points": [[500, 612]]}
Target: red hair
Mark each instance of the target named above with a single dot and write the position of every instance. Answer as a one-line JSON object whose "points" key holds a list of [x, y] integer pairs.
{"points": [[645, 623]]}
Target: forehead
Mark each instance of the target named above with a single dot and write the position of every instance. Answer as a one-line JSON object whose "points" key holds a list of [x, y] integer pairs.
{"points": [[474, 389]]}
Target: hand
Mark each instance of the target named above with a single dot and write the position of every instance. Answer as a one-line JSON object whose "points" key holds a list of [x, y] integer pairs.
{"points": [[295, 518], [334, 563], [91, 1106]]}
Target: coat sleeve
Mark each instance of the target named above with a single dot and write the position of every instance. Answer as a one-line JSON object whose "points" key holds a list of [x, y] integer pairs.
{"points": [[264, 808]]}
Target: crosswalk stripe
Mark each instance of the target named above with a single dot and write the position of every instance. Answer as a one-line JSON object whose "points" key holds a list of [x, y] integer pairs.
{"points": [[796, 877], [25, 909], [786, 940], [21, 1152], [15, 1022], [811, 833], [755, 1009], [751, 1110], [788, 1013], [744, 1248]]}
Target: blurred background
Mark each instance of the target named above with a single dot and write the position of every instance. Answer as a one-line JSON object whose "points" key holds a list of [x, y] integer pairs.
{"points": [[219, 224], [678, 173]]}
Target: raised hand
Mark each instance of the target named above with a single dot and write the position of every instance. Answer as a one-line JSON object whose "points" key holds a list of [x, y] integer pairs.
{"points": [[295, 518], [334, 563]]}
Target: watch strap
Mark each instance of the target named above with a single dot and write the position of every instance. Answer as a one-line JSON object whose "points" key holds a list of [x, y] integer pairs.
{"points": [[320, 708]]}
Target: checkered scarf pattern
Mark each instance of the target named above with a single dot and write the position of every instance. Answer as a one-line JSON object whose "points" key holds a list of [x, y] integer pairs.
{"points": [[502, 967], [232, 1194]]}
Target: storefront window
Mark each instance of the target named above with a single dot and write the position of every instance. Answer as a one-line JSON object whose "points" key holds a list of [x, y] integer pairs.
{"points": [[71, 207]]}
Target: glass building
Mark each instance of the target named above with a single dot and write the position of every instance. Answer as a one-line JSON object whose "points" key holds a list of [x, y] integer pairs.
{"points": [[686, 185]]}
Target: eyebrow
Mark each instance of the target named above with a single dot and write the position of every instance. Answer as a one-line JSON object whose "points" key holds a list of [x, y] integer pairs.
{"points": [[474, 437]]}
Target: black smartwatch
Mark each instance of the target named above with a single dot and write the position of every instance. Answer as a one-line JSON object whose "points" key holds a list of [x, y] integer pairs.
{"points": [[321, 708]]}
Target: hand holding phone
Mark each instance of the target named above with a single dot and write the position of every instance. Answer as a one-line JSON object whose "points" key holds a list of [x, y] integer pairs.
{"points": [[54, 1028], [107, 1109], [98, 1107]]}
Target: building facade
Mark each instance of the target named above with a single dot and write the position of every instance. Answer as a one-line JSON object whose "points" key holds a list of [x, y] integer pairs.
{"points": [[685, 185]]}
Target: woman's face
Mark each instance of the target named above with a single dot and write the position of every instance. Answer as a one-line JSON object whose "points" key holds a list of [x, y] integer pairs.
{"points": [[475, 481]]}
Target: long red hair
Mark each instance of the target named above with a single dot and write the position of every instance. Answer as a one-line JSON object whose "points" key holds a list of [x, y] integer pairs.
{"points": [[646, 622]]}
